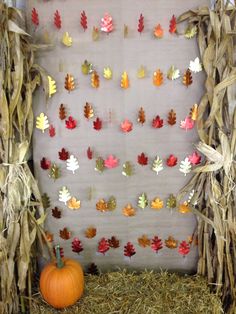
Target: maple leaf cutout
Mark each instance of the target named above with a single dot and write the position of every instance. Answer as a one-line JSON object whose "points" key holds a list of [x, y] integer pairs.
{"points": [[156, 244], [195, 158], [83, 20], [111, 162], [171, 243], [173, 73], [126, 126], [171, 161], [187, 78], [69, 83], [158, 31], [52, 131], [89, 153], [173, 25], [129, 250], [56, 213], [97, 124], [195, 66], [114, 242], [129, 211], [63, 154], [103, 246], [62, 112], [101, 205], [42, 122], [107, 73], [73, 203], [171, 117], [157, 203], [158, 78], [141, 116], [124, 83], [45, 163], [144, 241], [35, 17], [57, 19], [187, 124], [77, 246], [90, 232], [184, 248], [65, 234], [72, 164], [142, 159], [70, 123], [157, 122], [141, 24], [184, 208]]}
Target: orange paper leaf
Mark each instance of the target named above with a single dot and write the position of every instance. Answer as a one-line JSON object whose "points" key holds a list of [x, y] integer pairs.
{"points": [[144, 241], [69, 83], [95, 82], [90, 232], [157, 203], [184, 208], [101, 205], [158, 78], [158, 31], [129, 211], [193, 112], [73, 203], [88, 111], [65, 234], [141, 116], [171, 243], [124, 83], [187, 78]]}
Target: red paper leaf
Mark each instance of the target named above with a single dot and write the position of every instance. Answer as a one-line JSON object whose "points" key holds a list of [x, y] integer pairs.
{"points": [[71, 123], [56, 213], [52, 131], [141, 24], [156, 244], [45, 163], [187, 124], [61, 251], [195, 158], [77, 246], [142, 159], [184, 248], [129, 250], [173, 25], [63, 154], [126, 126], [172, 161], [157, 122], [97, 124], [111, 162], [103, 246], [35, 17], [89, 153], [83, 20], [57, 19]]}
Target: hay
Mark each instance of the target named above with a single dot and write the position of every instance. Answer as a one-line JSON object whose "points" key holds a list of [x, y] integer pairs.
{"points": [[145, 293]]}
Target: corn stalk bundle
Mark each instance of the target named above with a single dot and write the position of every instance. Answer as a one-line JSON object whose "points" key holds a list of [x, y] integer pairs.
{"points": [[214, 183], [21, 210]]}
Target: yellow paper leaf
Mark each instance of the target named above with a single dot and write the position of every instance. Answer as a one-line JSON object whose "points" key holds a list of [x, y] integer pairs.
{"points": [[52, 87], [107, 73], [144, 241], [73, 203], [157, 203], [194, 112], [141, 72], [190, 31], [67, 40], [102, 205], [129, 211], [184, 208], [171, 243], [42, 122]]}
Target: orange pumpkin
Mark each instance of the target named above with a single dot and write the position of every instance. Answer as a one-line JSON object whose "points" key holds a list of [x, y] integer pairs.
{"points": [[62, 282]]}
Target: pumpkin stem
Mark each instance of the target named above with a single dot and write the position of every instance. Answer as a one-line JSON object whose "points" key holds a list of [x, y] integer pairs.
{"points": [[60, 263]]}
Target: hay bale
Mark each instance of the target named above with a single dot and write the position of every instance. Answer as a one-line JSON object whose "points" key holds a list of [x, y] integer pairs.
{"points": [[144, 293]]}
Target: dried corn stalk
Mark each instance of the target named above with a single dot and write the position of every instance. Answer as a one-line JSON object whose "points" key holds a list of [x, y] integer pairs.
{"points": [[215, 181], [21, 211]]}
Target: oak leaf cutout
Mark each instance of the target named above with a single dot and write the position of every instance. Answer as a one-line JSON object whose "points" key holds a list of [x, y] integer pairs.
{"points": [[143, 201], [83, 20], [141, 24], [124, 83], [57, 20], [158, 31], [171, 202], [171, 117], [187, 78], [141, 116], [173, 25], [194, 112], [103, 246], [156, 244], [52, 131], [42, 122], [69, 83], [107, 25], [129, 250], [89, 153], [88, 111], [157, 165], [184, 248], [62, 112], [52, 87], [95, 81], [35, 17], [77, 246]]}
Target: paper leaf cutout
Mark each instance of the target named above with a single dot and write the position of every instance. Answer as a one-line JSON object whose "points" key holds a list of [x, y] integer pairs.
{"points": [[185, 166], [93, 270], [127, 169], [88, 111], [187, 124], [54, 172], [97, 124], [89, 153], [107, 73], [95, 33], [69, 83], [171, 243], [114, 242], [173, 25], [129, 250], [45, 201], [73, 203], [173, 73], [64, 195], [124, 83], [126, 126], [142, 159], [187, 78], [157, 203], [95, 82], [42, 122], [157, 165], [70, 123], [157, 78], [171, 161], [100, 164], [126, 31], [141, 72], [171, 202], [195, 66], [63, 154], [184, 248], [90, 232], [141, 116], [52, 87], [67, 40], [111, 162], [65, 234], [171, 117], [56, 213], [77, 246], [158, 31], [143, 201], [184, 208], [83, 20], [61, 252], [107, 23], [156, 244], [103, 246], [101, 205], [141, 24], [52, 131], [143, 241], [87, 67], [62, 112], [111, 204], [157, 122], [195, 158], [129, 211], [190, 31], [72, 164], [35, 17], [194, 112], [57, 19], [45, 163]]}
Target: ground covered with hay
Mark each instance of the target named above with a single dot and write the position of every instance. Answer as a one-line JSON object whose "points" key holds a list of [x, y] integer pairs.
{"points": [[145, 293]]}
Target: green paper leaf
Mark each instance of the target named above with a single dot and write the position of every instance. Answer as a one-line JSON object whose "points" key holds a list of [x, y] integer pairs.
{"points": [[143, 201], [100, 165], [46, 201], [87, 68], [111, 204], [54, 172], [190, 31], [127, 169], [171, 201]]}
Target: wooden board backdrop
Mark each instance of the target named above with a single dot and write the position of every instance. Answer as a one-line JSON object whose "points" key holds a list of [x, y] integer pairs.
{"points": [[120, 54]]}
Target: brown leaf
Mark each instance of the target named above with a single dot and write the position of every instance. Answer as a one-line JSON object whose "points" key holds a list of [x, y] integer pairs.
{"points": [[187, 78], [114, 242], [171, 243], [56, 213], [141, 116], [171, 117], [90, 232], [144, 241], [102, 205], [62, 112], [65, 234], [88, 111]]}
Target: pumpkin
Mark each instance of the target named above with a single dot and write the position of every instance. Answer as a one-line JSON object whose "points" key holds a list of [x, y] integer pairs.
{"points": [[62, 282]]}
